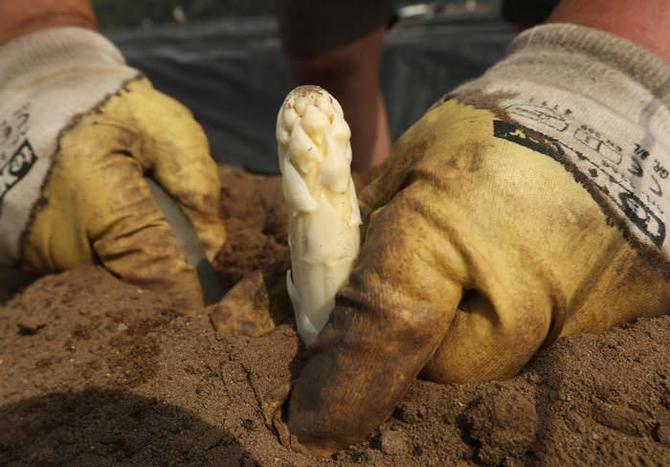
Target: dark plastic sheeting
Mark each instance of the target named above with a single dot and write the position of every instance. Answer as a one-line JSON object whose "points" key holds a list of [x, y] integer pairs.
{"points": [[233, 77]]}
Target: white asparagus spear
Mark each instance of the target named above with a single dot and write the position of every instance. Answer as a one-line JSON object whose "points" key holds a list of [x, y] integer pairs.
{"points": [[314, 160]]}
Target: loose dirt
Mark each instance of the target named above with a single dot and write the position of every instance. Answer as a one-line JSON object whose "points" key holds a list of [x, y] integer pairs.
{"points": [[95, 372]]}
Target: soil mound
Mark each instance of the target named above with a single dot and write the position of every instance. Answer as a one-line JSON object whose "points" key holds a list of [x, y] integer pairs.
{"points": [[96, 372]]}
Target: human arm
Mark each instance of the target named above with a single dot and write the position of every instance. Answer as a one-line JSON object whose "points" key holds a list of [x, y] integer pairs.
{"points": [[338, 46]]}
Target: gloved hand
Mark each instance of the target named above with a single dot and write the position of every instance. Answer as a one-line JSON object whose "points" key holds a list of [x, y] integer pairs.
{"points": [[78, 129], [526, 206]]}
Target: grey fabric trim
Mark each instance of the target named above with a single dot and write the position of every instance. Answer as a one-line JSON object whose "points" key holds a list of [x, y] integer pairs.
{"points": [[54, 47], [615, 52]]}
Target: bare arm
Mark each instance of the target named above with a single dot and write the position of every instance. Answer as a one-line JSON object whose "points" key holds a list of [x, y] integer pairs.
{"points": [[644, 22], [19, 18]]}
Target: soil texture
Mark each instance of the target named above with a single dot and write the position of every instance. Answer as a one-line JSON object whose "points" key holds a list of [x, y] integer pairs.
{"points": [[95, 372]]}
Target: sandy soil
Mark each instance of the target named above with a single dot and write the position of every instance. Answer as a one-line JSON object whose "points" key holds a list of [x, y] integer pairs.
{"points": [[96, 372]]}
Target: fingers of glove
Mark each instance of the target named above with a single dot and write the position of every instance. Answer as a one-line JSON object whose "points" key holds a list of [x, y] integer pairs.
{"points": [[176, 152], [130, 235], [386, 324], [488, 341]]}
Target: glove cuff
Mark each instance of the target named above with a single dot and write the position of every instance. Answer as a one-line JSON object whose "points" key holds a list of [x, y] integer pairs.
{"points": [[55, 48], [606, 49]]}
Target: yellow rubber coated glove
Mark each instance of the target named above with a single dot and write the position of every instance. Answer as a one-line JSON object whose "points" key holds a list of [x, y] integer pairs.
{"points": [[80, 131], [526, 206]]}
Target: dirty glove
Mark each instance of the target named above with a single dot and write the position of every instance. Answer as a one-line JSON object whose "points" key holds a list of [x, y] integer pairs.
{"points": [[78, 129], [530, 204]]}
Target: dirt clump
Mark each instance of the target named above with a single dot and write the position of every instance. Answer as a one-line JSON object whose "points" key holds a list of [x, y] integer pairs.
{"points": [[502, 423], [97, 372], [256, 224]]}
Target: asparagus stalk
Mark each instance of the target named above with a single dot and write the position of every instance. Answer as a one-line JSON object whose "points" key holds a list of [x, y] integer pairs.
{"points": [[314, 160]]}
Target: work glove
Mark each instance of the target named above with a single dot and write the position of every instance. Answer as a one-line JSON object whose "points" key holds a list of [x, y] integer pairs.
{"points": [[529, 204], [78, 131]]}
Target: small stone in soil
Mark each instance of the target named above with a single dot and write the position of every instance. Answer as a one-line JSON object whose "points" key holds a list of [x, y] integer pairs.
{"points": [[392, 442]]}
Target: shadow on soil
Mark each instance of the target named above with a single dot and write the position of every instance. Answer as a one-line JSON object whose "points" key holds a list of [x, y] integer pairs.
{"points": [[106, 427]]}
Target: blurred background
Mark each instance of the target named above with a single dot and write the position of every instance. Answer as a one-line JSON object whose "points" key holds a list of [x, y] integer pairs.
{"points": [[223, 59]]}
